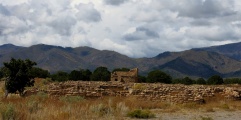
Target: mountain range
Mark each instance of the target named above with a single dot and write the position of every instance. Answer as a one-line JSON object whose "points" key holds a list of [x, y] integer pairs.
{"points": [[224, 60]]}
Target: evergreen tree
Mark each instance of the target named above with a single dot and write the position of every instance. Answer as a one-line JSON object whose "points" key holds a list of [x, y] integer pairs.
{"points": [[201, 81], [158, 76], [101, 74], [60, 76], [215, 80], [18, 74]]}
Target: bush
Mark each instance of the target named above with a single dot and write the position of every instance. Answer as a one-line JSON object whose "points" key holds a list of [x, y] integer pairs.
{"points": [[101, 74], [42, 96], [8, 112], [80, 75], [215, 80], [141, 79], [201, 81], [139, 86], [46, 81], [206, 118], [60, 76], [71, 99], [18, 75], [187, 81], [40, 73], [158, 76], [232, 81], [141, 114], [176, 81], [33, 106], [101, 109]]}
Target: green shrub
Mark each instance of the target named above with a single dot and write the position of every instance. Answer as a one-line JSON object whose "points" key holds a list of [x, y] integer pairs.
{"points": [[200, 81], [206, 118], [215, 80], [121, 108], [191, 105], [8, 112], [101, 109], [33, 106], [41, 96], [71, 99], [225, 106], [187, 81], [232, 81], [141, 114], [139, 86], [60, 76], [158, 76], [46, 81]]}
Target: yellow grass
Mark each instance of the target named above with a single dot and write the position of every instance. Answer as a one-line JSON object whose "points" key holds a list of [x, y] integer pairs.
{"points": [[43, 107]]}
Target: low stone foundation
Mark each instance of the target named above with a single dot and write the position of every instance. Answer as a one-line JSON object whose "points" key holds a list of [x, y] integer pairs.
{"points": [[174, 93]]}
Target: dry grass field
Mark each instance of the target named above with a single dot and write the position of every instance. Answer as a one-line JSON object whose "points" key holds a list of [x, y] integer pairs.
{"points": [[44, 107]]}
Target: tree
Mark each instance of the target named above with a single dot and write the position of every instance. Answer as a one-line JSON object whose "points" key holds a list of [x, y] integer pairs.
{"points": [[40, 73], [80, 75], [1, 73], [201, 81], [142, 79], [101, 74], [86, 74], [60, 76], [187, 81], [75, 75], [18, 75], [158, 76], [215, 80], [232, 81], [177, 81]]}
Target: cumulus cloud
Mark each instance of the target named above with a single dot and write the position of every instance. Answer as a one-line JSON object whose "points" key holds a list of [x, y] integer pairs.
{"points": [[63, 25], [114, 2], [3, 10], [137, 28], [206, 9], [87, 13], [200, 22], [214, 33], [141, 33]]}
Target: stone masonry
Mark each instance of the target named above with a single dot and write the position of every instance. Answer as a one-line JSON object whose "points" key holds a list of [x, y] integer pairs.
{"points": [[144, 91], [125, 77]]}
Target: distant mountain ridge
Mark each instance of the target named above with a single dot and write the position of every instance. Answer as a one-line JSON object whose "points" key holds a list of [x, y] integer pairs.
{"points": [[231, 50], [199, 62]]}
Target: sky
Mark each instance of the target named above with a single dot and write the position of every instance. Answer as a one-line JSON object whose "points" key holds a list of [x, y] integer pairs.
{"points": [[136, 28]]}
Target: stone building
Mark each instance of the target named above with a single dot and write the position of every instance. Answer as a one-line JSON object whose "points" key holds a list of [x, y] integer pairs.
{"points": [[125, 76]]}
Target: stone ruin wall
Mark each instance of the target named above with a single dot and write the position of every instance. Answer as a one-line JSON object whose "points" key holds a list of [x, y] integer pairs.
{"points": [[146, 91], [125, 76]]}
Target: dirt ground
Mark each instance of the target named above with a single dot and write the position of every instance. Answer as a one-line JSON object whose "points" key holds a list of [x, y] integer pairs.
{"points": [[199, 115]]}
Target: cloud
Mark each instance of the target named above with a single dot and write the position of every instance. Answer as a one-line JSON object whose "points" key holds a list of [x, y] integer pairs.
{"points": [[114, 2], [3, 10], [214, 33], [137, 28], [200, 22], [63, 25], [197, 8], [87, 13], [141, 33], [205, 9]]}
